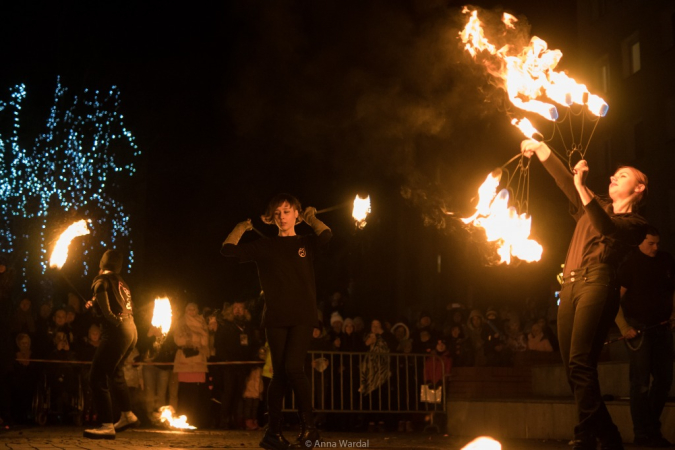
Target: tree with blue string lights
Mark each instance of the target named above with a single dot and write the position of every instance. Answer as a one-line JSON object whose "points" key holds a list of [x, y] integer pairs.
{"points": [[78, 167]]}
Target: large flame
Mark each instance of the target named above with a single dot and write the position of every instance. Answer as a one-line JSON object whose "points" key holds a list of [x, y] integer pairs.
{"points": [[503, 224], [361, 210], [167, 415], [60, 252], [483, 443], [527, 74], [161, 315]]}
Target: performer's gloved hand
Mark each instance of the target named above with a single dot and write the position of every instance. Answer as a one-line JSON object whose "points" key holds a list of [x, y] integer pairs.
{"points": [[630, 334], [238, 232], [309, 216], [529, 147]]}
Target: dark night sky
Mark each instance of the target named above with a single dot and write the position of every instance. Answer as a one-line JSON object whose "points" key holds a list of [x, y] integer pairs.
{"points": [[232, 102]]}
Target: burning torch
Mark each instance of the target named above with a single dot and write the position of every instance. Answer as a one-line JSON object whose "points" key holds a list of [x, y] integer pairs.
{"points": [[161, 317], [60, 251], [360, 210]]}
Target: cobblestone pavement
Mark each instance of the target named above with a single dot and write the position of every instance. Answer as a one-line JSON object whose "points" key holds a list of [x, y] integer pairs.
{"points": [[70, 438]]}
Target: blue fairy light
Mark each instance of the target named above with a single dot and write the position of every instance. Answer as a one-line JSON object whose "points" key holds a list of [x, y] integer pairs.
{"points": [[69, 166]]}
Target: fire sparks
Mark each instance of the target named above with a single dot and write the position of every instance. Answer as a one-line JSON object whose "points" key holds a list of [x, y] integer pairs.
{"points": [[503, 224], [483, 443], [527, 74], [361, 210], [167, 416], [60, 252], [161, 315]]}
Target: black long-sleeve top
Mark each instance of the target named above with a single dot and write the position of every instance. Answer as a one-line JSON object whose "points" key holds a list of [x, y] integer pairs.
{"points": [[286, 272], [600, 236]]}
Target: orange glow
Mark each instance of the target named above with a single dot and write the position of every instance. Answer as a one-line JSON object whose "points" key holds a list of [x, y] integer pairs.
{"points": [[483, 443], [60, 252], [526, 127], [527, 74], [161, 315], [503, 224], [168, 416], [361, 210]]}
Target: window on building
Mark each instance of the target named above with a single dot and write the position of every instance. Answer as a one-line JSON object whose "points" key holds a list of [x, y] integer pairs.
{"points": [[598, 9], [631, 55], [602, 73]]}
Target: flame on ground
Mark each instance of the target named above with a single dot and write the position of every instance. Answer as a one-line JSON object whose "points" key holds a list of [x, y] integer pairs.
{"points": [[503, 224], [167, 415], [60, 252], [161, 315], [483, 443], [527, 73], [361, 210]]}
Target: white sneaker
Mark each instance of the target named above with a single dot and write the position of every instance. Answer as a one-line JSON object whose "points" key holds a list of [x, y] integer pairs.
{"points": [[127, 420], [105, 431]]}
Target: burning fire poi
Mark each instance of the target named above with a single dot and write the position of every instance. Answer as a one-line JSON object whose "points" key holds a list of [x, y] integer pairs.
{"points": [[483, 443], [361, 210], [528, 73], [161, 315], [167, 415], [60, 252], [503, 224]]}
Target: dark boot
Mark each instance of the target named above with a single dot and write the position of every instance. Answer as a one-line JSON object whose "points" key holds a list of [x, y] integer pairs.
{"points": [[309, 434], [584, 441], [273, 439]]}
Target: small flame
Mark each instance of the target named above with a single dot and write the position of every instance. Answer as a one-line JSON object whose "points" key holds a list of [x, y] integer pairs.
{"points": [[161, 315], [361, 210], [528, 73], [503, 224], [527, 128], [483, 443], [60, 252], [167, 415]]}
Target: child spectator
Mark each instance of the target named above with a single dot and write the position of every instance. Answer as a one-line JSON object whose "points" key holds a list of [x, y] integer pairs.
{"points": [[536, 340]]}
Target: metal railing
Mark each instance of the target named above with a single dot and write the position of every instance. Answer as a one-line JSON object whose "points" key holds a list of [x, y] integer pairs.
{"points": [[367, 382]]}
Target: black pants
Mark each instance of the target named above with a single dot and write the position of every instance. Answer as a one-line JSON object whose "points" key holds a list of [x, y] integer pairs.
{"points": [[651, 355], [288, 347], [589, 301], [107, 373], [234, 383]]}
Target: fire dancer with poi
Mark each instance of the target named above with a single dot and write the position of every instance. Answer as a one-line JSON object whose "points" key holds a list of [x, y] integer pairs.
{"points": [[286, 271], [589, 298], [112, 301]]}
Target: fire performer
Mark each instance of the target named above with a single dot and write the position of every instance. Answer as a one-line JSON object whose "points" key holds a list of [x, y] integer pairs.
{"points": [[646, 317], [112, 301], [285, 268], [589, 298]]}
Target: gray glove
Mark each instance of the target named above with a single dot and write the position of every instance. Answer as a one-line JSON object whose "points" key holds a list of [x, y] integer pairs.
{"points": [[309, 216], [238, 232]]}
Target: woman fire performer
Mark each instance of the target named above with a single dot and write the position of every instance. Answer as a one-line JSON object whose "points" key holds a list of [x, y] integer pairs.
{"points": [[286, 271], [589, 298], [112, 301]]}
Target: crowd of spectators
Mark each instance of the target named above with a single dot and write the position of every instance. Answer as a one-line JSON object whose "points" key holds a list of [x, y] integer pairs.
{"points": [[214, 366]]}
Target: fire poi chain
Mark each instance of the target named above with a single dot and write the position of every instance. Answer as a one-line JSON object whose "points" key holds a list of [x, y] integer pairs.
{"points": [[527, 76]]}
